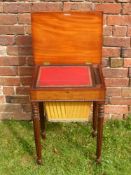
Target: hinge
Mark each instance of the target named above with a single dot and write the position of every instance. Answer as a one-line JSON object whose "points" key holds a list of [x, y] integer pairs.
{"points": [[46, 63], [87, 63]]}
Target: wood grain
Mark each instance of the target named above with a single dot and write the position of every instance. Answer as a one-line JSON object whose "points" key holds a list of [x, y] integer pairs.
{"points": [[67, 37], [68, 95]]}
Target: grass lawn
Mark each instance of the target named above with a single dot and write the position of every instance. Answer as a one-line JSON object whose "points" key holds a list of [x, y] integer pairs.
{"points": [[68, 150]]}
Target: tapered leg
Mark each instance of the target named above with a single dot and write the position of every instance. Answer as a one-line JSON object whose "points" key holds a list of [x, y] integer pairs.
{"points": [[94, 120], [100, 130], [36, 123], [42, 120]]}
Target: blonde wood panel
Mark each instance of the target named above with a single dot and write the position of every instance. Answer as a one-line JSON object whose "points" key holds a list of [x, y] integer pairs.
{"points": [[67, 37]]}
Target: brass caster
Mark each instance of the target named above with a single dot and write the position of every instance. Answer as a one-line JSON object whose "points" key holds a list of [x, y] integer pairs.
{"points": [[43, 135], [94, 133], [98, 161], [39, 161]]}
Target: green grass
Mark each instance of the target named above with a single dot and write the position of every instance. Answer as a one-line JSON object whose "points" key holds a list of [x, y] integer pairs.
{"points": [[68, 150]]}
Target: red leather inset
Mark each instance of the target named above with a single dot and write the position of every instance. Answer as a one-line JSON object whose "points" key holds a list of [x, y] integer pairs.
{"points": [[64, 76]]}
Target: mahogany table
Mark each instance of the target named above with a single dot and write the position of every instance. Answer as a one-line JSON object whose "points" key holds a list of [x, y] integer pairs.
{"points": [[67, 53]]}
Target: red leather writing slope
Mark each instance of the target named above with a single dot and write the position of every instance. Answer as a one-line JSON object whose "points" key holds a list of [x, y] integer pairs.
{"points": [[58, 76]]}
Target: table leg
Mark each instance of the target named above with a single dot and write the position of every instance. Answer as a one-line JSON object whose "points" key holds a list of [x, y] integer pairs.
{"points": [[42, 120], [100, 130], [95, 118], [36, 124]]}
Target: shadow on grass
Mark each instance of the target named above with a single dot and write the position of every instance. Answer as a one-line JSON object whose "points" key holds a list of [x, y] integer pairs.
{"points": [[53, 126], [26, 145], [77, 136], [27, 127]]}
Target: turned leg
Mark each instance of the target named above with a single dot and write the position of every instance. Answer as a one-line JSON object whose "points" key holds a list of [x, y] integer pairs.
{"points": [[42, 120], [100, 130], [94, 119], [36, 123]]}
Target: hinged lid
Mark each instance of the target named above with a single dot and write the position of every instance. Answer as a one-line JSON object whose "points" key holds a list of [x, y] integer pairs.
{"points": [[67, 37]]}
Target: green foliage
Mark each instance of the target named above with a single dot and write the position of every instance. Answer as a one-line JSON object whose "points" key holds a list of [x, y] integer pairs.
{"points": [[68, 150]]}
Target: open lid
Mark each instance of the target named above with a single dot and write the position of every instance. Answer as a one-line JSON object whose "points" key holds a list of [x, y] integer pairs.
{"points": [[67, 37]]}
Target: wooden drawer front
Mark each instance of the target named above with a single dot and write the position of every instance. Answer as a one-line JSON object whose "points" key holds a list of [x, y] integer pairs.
{"points": [[67, 95]]}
